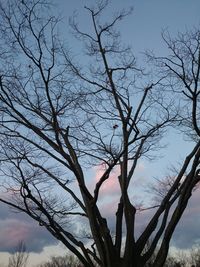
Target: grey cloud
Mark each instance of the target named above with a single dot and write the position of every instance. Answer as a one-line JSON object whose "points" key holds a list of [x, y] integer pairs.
{"points": [[16, 227], [187, 233]]}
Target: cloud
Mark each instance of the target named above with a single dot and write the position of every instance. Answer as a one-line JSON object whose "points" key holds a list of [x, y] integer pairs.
{"points": [[16, 227], [187, 232], [12, 231], [111, 185], [35, 259], [109, 194]]}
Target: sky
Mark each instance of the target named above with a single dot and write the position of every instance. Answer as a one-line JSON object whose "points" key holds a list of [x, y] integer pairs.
{"points": [[142, 30]]}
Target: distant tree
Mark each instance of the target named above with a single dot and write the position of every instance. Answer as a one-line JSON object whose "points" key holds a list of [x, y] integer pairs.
{"points": [[59, 119], [195, 256], [62, 261], [20, 257]]}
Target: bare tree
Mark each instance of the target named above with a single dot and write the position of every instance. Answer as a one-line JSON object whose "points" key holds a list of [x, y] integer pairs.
{"points": [[59, 118], [194, 256], [182, 70], [20, 257], [62, 261]]}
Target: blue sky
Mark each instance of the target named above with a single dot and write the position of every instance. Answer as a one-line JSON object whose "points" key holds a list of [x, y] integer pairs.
{"points": [[142, 30]]}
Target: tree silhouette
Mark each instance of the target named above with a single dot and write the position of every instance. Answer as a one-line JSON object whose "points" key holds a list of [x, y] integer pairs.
{"points": [[20, 257], [58, 119]]}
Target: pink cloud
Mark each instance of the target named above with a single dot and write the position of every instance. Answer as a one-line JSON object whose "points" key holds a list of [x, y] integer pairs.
{"points": [[12, 231], [111, 185], [109, 208], [109, 193]]}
